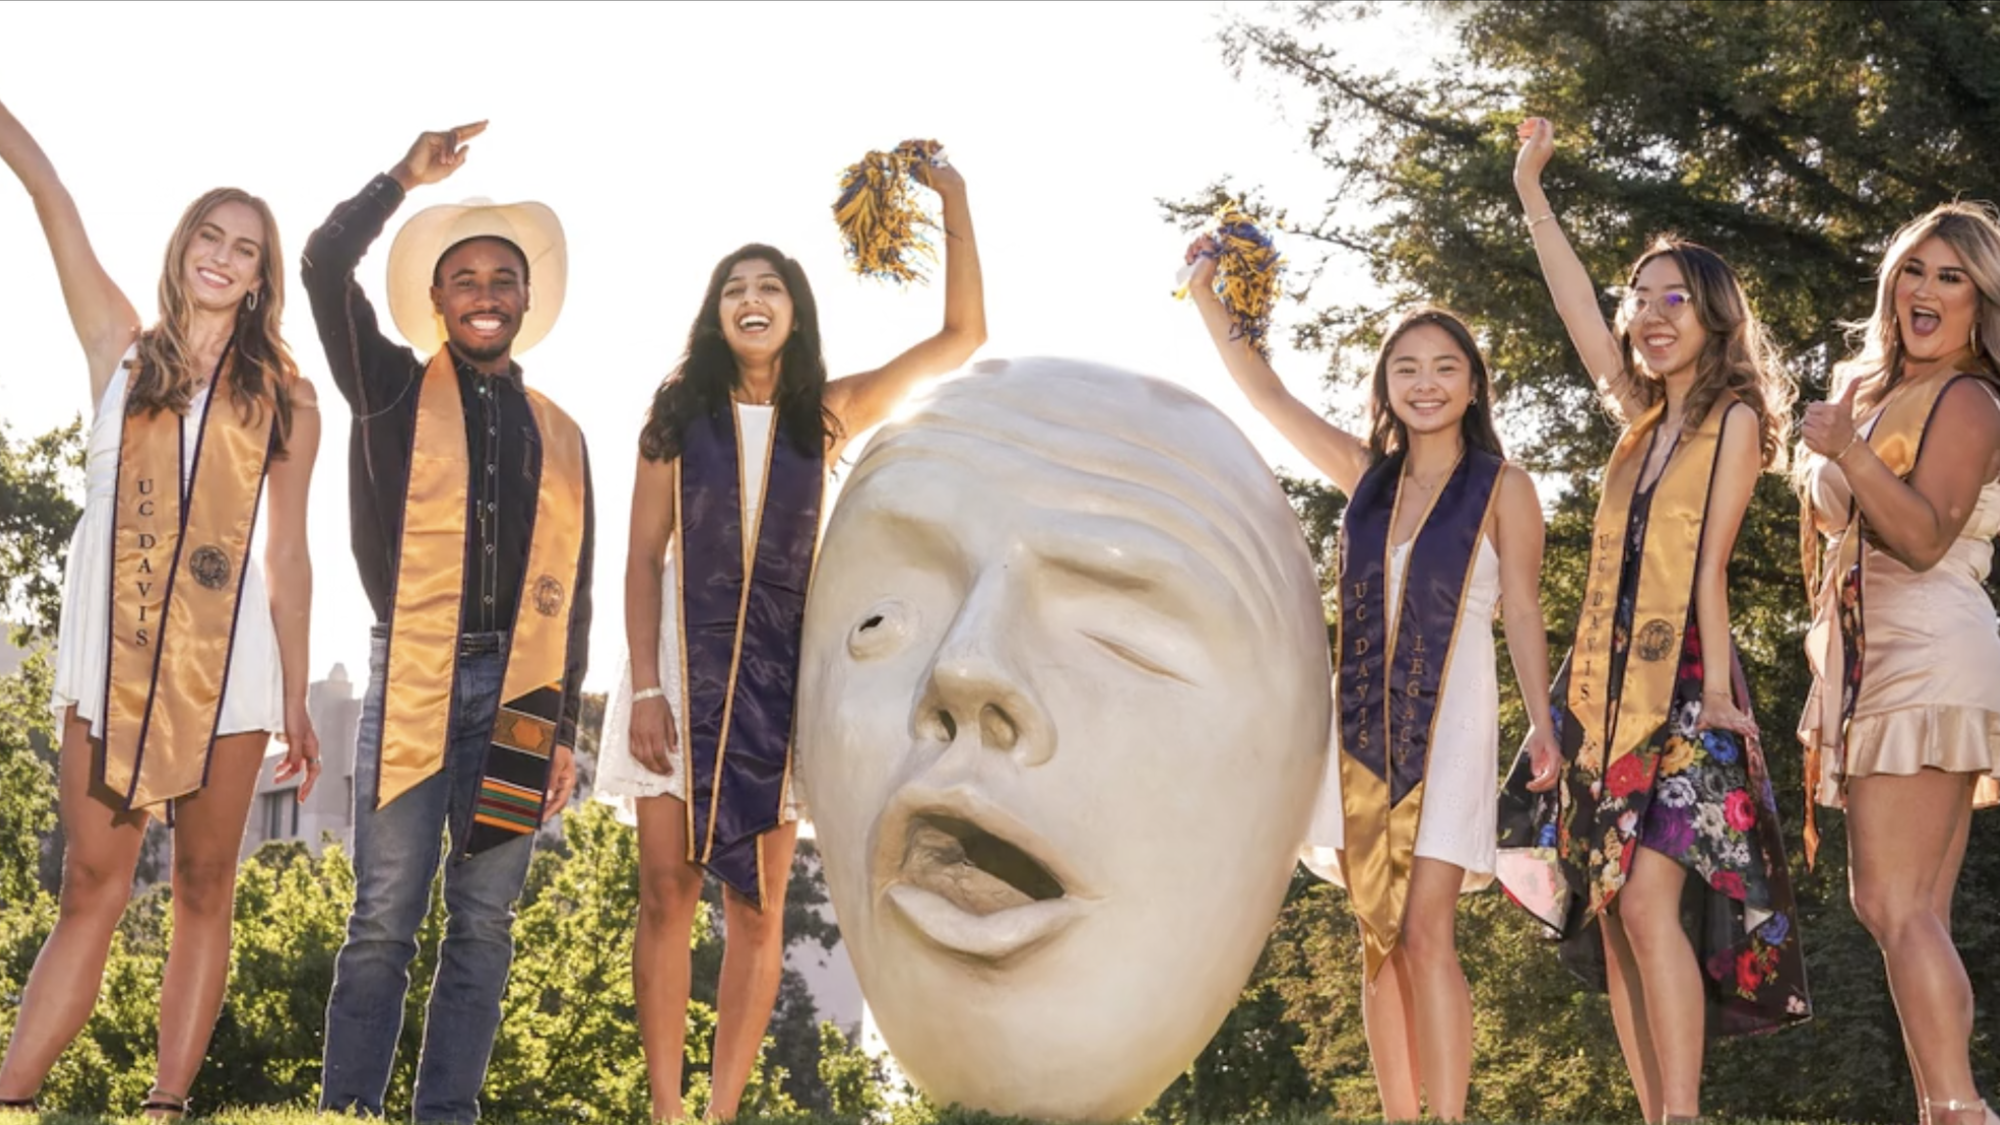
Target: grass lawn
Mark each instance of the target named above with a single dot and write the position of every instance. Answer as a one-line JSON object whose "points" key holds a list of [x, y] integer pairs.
{"points": [[947, 1117]]}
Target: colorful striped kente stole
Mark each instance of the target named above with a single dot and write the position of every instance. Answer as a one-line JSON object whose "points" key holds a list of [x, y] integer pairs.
{"points": [[742, 598], [1392, 665], [425, 625], [177, 564], [1835, 580]]}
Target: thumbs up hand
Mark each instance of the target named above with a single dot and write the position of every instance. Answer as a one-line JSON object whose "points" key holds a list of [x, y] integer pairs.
{"points": [[1828, 427]]}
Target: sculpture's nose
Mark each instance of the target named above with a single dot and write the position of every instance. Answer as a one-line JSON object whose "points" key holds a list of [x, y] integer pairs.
{"points": [[977, 686]]}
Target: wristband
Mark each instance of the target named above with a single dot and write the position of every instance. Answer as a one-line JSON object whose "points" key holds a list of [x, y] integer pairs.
{"points": [[648, 693]]}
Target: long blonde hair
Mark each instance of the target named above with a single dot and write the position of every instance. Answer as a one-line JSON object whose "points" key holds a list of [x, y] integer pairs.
{"points": [[1738, 358], [263, 371], [1970, 229]]}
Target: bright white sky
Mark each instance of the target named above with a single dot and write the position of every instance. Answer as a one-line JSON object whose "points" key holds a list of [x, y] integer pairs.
{"points": [[664, 137]]}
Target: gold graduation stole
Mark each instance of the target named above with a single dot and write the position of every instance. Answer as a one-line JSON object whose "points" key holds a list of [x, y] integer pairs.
{"points": [[1392, 667], [1665, 594], [177, 565], [1835, 579], [425, 625]]}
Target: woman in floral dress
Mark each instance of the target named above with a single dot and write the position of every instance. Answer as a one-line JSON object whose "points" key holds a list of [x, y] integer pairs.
{"points": [[1655, 857]]}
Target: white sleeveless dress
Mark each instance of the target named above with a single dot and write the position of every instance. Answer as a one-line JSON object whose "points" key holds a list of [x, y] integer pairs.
{"points": [[621, 780], [1461, 786], [253, 697]]}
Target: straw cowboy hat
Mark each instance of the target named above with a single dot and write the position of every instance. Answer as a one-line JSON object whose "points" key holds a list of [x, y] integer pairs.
{"points": [[531, 227]]}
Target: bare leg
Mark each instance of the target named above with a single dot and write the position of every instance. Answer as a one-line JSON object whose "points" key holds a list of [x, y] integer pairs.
{"points": [[753, 962], [1443, 1001], [1628, 1015], [102, 848], [208, 835], [1900, 832], [1649, 907], [1941, 895], [1388, 1009], [669, 892]]}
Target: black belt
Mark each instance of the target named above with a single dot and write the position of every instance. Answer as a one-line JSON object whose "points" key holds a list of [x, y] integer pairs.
{"points": [[481, 644]]}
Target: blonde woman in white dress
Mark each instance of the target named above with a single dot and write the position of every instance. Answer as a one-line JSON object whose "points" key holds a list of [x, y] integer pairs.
{"points": [[176, 661]]}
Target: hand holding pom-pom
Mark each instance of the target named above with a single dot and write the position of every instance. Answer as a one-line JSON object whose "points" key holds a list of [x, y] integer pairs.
{"points": [[1239, 264], [882, 225]]}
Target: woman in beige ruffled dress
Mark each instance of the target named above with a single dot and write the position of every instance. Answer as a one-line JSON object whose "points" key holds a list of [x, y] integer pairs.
{"points": [[1903, 725]]}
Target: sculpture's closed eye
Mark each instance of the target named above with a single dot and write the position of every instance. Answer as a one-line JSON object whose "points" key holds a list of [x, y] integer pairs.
{"points": [[1136, 658]]}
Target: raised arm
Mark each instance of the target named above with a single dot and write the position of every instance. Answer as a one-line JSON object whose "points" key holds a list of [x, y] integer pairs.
{"points": [[1332, 450], [1569, 283], [1737, 465], [369, 369], [1915, 521], [861, 401], [105, 321], [655, 489], [1520, 533], [288, 568]]}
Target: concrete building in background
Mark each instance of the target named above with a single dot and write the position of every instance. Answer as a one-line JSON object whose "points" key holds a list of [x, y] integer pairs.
{"points": [[276, 814]]}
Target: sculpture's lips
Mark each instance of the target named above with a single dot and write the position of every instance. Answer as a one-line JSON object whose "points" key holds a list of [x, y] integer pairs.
{"points": [[970, 877]]}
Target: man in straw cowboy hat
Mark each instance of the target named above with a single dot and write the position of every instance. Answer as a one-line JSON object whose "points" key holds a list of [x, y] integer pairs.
{"points": [[470, 506]]}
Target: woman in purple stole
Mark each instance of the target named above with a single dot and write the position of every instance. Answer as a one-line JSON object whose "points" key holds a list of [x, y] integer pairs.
{"points": [[1657, 859], [733, 462], [1439, 529]]}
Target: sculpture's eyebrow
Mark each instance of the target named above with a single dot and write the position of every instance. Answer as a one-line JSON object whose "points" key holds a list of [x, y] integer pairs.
{"points": [[912, 525], [1150, 489], [1127, 555]]}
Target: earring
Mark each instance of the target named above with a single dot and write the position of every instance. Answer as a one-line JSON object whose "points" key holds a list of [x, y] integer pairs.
{"points": [[1974, 343], [250, 302]]}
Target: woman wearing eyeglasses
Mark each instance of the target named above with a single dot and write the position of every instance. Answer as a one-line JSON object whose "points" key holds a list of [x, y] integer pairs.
{"points": [[1663, 779]]}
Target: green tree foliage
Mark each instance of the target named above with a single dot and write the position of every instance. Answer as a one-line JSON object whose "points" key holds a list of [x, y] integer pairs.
{"points": [[27, 776], [568, 1047], [37, 513], [1793, 139]]}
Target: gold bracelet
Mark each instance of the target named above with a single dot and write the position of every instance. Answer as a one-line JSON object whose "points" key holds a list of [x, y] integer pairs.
{"points": [[1845, 449], [1545, 217]]}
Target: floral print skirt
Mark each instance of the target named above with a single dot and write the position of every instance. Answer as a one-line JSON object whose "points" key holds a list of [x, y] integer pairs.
{"points": [[1700, 798]]}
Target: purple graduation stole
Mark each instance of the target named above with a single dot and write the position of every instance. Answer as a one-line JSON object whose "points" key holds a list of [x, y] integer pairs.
{"points": [[743, 597], [1389, 684]]}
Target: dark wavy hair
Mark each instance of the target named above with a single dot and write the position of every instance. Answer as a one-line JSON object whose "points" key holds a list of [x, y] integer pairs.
{"points": [[1386, 432], [1738, 358], [701, 382]]}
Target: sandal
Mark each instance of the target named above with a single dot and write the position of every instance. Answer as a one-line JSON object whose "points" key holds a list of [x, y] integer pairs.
{"points": [[161, 1106], [1952, 1111]]}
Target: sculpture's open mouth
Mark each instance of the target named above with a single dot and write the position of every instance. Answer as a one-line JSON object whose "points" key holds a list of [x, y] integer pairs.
{"points": [[971, 878], [972, 868]]}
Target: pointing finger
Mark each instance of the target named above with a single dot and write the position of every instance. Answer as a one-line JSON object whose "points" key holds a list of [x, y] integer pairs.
{"points": [[467, 132]]}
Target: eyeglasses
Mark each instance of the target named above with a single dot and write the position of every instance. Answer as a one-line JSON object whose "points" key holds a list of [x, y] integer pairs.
{"points": [[1670, 304]]}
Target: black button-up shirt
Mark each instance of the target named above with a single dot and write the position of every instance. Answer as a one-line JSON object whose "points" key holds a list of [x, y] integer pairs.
{"points": [[380, 380]]}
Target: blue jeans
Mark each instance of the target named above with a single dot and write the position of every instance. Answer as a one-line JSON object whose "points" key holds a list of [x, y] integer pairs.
{"points": [[396, 853]]}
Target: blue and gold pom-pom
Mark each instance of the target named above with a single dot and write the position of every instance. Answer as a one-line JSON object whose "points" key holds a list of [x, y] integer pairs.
{"points": [[1247, 265], [882, 224]]}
